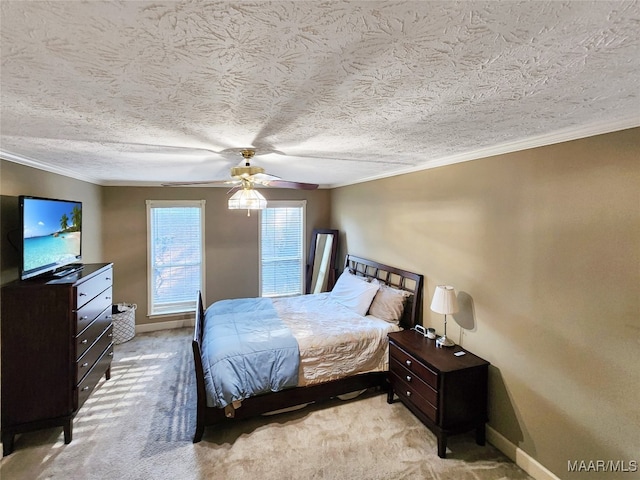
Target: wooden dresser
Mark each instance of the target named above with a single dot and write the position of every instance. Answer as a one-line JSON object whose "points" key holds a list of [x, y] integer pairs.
{"points": [[448, 393], [56, 345]]}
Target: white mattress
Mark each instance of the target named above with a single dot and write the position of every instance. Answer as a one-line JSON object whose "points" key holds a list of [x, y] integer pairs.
{"points": [[334, 342]]}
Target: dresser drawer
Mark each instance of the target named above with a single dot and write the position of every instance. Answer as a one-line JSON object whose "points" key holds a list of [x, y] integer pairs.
{"points": [[91, 334], [408, 393], [89, 312], [88, 290], [90, 380], [416, 383], [85, 363], [412, 365]]}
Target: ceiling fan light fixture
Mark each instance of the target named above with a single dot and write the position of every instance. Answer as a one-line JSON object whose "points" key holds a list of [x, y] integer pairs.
{"points": [[247, 199]]}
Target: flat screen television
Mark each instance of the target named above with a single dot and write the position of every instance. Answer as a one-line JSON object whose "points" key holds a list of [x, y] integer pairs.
{"points": [[51, 235]]}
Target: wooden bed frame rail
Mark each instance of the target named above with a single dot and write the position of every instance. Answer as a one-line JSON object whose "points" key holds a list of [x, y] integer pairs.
{"points": [[291, 397]]}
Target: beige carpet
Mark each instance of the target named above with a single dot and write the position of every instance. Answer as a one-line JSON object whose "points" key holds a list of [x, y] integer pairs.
{"points": [[139, 425]]}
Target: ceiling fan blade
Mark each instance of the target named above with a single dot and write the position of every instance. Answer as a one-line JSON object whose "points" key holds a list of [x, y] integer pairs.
{"points": [[287, 184], [263, 177], [204, 182]]}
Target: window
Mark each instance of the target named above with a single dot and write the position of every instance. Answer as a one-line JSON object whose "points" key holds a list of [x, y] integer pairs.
{"points": [[281, 249], [175, 232]]}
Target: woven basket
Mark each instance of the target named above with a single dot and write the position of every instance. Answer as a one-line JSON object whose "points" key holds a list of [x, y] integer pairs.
{"points": [[124, 323]]}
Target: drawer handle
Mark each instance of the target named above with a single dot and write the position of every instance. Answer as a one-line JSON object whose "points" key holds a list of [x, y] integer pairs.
{"points": [[82, 294], [109, 317], [107, 278], [85, 365], [408, 393], [408, 378], [111, 354], [408, 362], [110, 335], [85, 389], [108, 298], [84, 341], [84, 317]]}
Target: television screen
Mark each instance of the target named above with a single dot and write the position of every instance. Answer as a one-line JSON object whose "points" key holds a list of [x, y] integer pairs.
{"points": [[51, 234]]}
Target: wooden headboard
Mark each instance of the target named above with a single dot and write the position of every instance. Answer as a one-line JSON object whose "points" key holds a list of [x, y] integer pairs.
{"points": [[396, 278]]}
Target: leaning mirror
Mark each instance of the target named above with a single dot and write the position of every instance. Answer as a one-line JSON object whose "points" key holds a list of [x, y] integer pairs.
{"points": [[321, 266]]}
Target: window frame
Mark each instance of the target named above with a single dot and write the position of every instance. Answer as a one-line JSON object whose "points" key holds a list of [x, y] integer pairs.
{"points": [[302, 204], [186, 306]]}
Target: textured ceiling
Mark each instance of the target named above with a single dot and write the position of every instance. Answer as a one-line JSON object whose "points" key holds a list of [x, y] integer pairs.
{"points": [[328, 92]]}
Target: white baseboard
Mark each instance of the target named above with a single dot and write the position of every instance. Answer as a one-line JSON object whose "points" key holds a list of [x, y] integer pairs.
{"points": [[152, 327], [519, 456]]}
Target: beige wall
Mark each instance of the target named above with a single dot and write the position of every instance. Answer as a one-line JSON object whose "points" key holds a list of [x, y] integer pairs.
{"points": [[545, 243], [231, 240], [16, 180]]}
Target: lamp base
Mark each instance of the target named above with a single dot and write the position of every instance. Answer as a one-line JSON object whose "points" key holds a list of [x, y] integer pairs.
{"points": [[443, 341]]}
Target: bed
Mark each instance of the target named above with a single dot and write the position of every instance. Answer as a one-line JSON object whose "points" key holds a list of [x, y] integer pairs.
{"points": [[317, 377]]}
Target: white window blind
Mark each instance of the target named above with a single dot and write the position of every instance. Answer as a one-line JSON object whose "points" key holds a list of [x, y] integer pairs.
{"points": [[175, 255], [281, 249]]}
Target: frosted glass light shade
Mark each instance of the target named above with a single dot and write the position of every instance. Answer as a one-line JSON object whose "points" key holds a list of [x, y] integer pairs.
{"points": [[444, 300], [247, 199]]}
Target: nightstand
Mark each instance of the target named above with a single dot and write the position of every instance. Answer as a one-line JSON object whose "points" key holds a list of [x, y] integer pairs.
{"points": [[448, 393]]}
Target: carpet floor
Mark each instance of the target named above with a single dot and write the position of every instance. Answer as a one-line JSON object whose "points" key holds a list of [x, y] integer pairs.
{"points": [[140, 424]]}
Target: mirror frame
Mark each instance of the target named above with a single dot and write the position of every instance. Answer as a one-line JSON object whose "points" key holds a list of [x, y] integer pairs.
{"points": [[312, 256]]}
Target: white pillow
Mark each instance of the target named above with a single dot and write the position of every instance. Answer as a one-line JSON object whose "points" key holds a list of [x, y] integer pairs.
{"points": [[388, 304], [354, 293]]}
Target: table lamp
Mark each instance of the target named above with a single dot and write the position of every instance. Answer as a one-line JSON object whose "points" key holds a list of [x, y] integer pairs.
{"points": [[445, 302]]}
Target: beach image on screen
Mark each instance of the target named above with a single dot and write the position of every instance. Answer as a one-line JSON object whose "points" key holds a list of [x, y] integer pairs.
{"points": [[51, 232]]}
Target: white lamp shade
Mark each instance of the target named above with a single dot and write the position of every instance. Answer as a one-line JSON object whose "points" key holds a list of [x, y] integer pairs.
{"points": [[247, 199], [444, 300]]}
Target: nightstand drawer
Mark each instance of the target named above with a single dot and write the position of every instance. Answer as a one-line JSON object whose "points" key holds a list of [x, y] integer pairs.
{"points": [[410, 379], [410, 394], [410, 363], [447, 392]]}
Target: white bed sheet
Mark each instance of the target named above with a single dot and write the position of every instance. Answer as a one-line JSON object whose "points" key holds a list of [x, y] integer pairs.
{"points": [[334, 341]]}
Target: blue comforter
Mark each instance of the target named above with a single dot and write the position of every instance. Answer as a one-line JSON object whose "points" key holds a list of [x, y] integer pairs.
{"points": [[246, 350]]}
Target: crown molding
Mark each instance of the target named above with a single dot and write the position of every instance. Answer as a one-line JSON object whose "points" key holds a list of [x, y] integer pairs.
{"points": [[558, 136], [30, 162]]}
